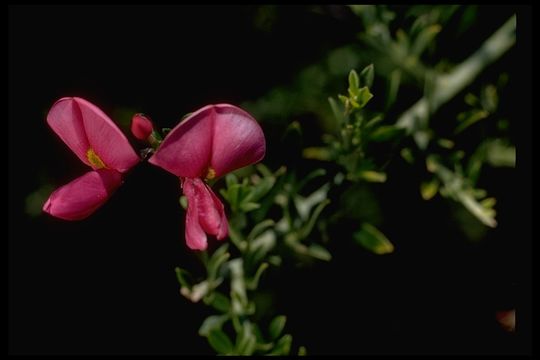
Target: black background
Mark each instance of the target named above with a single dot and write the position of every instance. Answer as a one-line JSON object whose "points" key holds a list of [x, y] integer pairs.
{"points": [[107, 284]]}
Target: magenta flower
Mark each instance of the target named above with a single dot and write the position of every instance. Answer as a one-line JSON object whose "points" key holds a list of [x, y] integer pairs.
{"points": [[209, 143], [98, 142]]}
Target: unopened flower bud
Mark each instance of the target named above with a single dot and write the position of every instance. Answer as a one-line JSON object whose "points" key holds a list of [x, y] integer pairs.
{"points": [[141, 126]]}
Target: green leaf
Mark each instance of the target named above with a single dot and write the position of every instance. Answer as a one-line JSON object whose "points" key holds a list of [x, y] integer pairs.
{"points": [[318, 153], [489, 98], [181, 275], [486, 216], [445, 143], [260, 189], [319, 252], [354, 83], [220, 342], [283, 346], [424, 38], [407, 155], [372, 176], [367, 75], [249, 206], [312, 175], [218, 258], [393, 88], [306, 229], [469, 118], [254, 282], [259, 229], [220, 302], [261, 245], [231, 179], [385, 133], [337, 110], [34, 201], [276, 326], [302, 351], [499, 153], [214, 322], [429, 189], [343, 99], [373, 240], [246, 340], [364, 95]]}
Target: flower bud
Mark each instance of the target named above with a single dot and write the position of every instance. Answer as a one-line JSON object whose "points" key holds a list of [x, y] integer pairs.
{"points": [[141, 126]]}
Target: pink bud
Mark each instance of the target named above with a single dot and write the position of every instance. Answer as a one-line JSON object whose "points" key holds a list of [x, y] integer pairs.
{"points": [[141, 126]]}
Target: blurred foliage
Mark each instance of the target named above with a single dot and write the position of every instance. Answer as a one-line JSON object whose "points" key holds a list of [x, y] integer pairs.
{"points": [[349, 117]]}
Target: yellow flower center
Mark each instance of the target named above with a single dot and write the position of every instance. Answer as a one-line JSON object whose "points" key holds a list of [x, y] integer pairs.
{"points": [[210, 174], [94, 159]]}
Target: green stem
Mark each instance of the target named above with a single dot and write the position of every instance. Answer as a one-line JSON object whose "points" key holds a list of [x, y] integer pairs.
{"points": [[446, 86]]}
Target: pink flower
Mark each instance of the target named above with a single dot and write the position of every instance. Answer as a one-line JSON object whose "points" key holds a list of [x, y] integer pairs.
{"points": [[209, 143], [98, 142]]}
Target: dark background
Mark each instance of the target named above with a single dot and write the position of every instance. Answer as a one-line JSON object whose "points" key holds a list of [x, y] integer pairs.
{"points": [[107, 284]]}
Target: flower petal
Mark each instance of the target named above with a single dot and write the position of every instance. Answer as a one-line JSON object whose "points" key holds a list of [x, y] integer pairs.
{"points": [[210, 209], [84, 195], [195, 235], [238, 139], [65, 119], [105, 138], [223, 229], [185, 151]]}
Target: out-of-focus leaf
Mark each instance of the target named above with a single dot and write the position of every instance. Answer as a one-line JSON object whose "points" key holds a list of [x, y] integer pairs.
{"points": [[472, 100], [181, 276], [259, 229], [469, 118], [302, 351], [220, 342], [489, 98], [261, 245], [499, 153], [283, 346], [254, 282], [34, 201], [306, 229], [373, 240], [213, 322], [276, 326], [238, 286], [428, 189], [407, 155], [385, 133], [373, 176], [424, 38], [218, 258], [445, 143], [319, 252], [337, 110], [318, 153], [393, 87], [486, 216], [305, 204], [249, 206], [246, 340], [197, 292], [220, 302], [367, 75]]}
